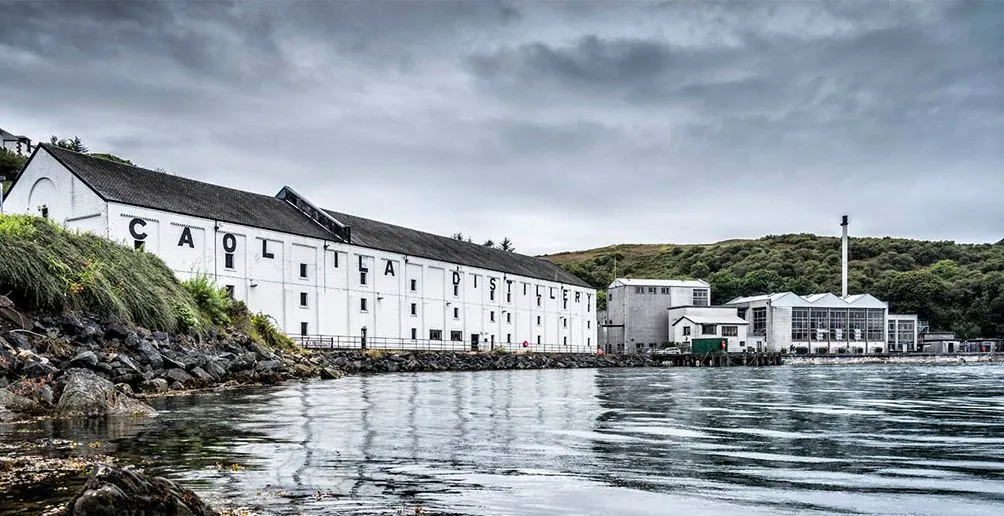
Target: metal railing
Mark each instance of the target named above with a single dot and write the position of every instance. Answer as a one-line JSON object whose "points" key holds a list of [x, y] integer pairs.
{"points": [[349, 342]]}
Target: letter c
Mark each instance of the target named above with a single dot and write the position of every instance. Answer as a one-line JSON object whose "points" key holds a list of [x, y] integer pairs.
{"points": [[134, 232]]}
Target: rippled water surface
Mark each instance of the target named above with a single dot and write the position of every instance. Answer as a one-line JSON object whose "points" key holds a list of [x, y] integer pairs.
{"points": [[807, 440]]}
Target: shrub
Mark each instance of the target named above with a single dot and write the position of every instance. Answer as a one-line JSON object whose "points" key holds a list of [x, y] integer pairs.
{"points": [[213, 301], [264, 332]]}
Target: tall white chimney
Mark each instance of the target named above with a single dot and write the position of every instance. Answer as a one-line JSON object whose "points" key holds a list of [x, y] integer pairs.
{"points": [[843, 258]]}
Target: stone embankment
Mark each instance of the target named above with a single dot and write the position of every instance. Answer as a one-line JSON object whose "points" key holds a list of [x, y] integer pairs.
{"points": [[88, 366], [964, 358]]}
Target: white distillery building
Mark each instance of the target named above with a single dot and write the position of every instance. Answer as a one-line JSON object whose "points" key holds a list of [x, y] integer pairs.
{"points": [[819, 323], [317, 272], [708, 322], [635, 318]]}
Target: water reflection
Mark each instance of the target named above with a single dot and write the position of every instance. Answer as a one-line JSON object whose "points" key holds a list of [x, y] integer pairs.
{"points": [[870, 439]]}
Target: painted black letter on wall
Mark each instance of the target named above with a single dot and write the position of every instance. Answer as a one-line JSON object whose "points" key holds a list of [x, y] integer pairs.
{"points": [[229, 243], [456, 278], [186, 238], [491, 284], [264, 250], [389, 269], [135, 232]]}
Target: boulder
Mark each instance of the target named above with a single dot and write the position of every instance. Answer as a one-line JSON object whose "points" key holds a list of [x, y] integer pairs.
{"points": [[87, 394], [154, 386], [151, 355], [18, 340], [121, 491], [200, 374], [86, 359], [71, 325], [116, 331], [20, 404], [217, 369], [267, 366], [178, 375], [132, 340], [37, 368], [127, 363]]}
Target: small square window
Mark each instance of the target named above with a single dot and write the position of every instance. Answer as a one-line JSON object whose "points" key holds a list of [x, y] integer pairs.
{"points": [[651, 290], [686, 331], [456, 336], [303, 299], [228, 261], [435, 334], [362, 304], [414, 285], [303, 270], [230, 291]]}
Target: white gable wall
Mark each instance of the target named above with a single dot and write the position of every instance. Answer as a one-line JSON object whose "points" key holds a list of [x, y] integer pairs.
{"points": [[70, 202]]}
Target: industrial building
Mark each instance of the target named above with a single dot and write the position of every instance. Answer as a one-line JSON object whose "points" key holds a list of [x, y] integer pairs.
{"points": [[317, 272], [822, 323], [687, 323], [636, 318]]}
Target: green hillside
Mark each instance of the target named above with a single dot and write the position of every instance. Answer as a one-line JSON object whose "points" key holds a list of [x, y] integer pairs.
{"points": [[957, 287]]}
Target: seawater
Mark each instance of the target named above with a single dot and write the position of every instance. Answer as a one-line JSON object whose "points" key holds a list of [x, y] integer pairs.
{"points": [[776, 440]]}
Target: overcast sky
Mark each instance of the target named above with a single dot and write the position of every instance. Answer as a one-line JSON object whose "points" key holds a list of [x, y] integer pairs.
{"points": [[563, 126]]}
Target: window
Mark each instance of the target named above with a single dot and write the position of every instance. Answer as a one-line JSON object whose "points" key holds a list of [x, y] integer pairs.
{"points": [[491, 295], [456, 313], [303, 328], [741, 312], [138, 244], [414, 285], [435, 334], [760, 321], [686, 331], [491, 316], [589, 324], [651, 290], [303, 270], [564, 303], [362, 278], [564, 322], [639, 290], [303, 299], [610, 296], [456, 290], [456, 336], [538, 339], [538, 320], [230, 291], [700, 297], [414, 309], [362, 304], [589, 341], [539, 300], [525, 286], [228, 261], [730, 331], [876, 324], [508, 317], [709, 329], [564, 341], [664, 291], [800, 324], [335, 256], [508, 338], [508, 297], [414, 333]]}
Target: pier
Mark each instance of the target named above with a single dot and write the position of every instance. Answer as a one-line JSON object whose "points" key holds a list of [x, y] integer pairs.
{"points": [[719, 359]]}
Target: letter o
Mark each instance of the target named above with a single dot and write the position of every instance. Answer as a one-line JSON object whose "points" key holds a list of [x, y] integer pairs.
{"points": [[229, 243]]}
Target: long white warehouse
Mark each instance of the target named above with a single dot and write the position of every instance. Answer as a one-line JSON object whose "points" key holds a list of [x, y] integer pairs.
{"points": [[317, 272]]}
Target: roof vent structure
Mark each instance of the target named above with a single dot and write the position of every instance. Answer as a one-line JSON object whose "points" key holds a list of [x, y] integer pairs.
{"points": [[329, 223]]}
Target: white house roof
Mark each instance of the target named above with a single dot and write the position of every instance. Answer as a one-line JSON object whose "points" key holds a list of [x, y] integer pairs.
{"points": [[865, 301], [780, 299], [718, 319], [638, 282]]}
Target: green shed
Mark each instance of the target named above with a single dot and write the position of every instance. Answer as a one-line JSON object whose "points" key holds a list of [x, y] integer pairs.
{"points": [[712, 345]]}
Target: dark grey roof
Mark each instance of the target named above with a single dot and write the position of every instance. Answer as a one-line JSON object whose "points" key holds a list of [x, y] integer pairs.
{"points": [[398, 239], [126, 184]]}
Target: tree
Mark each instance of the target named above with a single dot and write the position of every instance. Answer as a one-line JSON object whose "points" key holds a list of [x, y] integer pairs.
{"points": [[489, 243], [458, 236], [700, 270], [10, 164], [506, 245], [74, 144]]}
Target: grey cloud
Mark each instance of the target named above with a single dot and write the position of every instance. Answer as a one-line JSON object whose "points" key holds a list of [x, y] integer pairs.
{"points": [[542, 121]]}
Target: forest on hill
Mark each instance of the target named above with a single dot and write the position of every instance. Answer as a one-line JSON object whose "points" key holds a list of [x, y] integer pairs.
{"points": [[957, 287]]}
